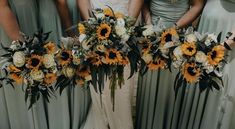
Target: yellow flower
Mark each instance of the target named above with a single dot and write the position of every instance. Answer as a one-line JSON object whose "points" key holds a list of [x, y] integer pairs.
{"points": [[119, 15], [167, 35], [157, 64], [112, 56], [188, 49], [190, 72], [216, 55], [124, 60], [34, 62], [83, 71], [81, 28], [108, 12], [13, 69], [95, 59], [50, 78], [17, 78], [50, 47], [103, 31], [65, 57]]}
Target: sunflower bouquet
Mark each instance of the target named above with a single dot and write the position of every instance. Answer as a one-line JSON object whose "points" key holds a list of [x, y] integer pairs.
{"points": [[31, 64], [199, 59], [106, 43], [156, 44]]}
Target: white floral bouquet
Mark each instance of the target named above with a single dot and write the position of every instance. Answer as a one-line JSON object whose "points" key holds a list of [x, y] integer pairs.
{"points": [[31, 63]]}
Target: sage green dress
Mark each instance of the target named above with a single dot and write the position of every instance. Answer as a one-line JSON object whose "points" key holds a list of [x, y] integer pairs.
{"points": [[219, 107], [61, 112], [157, 106], [14, 113]]}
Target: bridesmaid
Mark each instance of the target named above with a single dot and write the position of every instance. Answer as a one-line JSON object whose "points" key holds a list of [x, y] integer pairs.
{"points": [[157, 107], [219, 107], [16, 16]]}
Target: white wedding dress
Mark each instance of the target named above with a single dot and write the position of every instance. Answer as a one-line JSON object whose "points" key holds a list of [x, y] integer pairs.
{"points": [[103, 116]]}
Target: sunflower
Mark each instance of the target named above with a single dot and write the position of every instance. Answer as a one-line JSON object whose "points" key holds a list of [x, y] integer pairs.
{"points": [[50, 47], [81, 28], [95, 59], [112, 56], [188, 49], [119, 15], [13, 69], [108, 12], [83, 71], [167, 35], [216, 55], [65, 57], [157, 64], [17, 78], [124, 60], [190, 72], [50, 78], [103, 31], [34, 62]]}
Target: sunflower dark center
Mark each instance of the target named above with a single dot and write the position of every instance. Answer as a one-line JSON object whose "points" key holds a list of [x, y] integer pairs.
{"points": [[103, 32], [213, 54], [112, 55], [190, 49], [168, 38], [191, 71], [64, 56], [35, 62]]}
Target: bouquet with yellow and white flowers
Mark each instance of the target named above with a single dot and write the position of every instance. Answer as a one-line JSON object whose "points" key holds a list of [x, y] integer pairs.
{"points": [[31, 63], [199, 59]]}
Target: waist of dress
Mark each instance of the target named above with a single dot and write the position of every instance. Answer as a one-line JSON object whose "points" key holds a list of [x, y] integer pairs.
{"points": [[169, 12]]}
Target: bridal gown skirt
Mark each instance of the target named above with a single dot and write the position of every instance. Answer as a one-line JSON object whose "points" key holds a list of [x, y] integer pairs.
{"points": [[102, 115]]}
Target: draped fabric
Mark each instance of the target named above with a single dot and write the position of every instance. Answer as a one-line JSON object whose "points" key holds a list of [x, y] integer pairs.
{"points": [[65, 111], [157, 105]]}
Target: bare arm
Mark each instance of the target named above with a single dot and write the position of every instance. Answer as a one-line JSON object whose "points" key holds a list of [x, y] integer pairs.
{"points": [[192, 14], [84, 7], [8, 21], [146, 13], [65, 17], [135, 7]]}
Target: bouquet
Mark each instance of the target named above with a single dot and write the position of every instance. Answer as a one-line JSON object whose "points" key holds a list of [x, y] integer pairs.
{"points": [[31, 63]]}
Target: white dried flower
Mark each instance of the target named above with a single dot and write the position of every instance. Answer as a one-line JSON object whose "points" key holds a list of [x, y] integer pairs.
{"points": [[99, 15], [86, 45], [48, 60], [19, 59], [178, 53], [148, 30], [121, 22], [68, 71], [191, 38], [82, 37], [147, 58], [120, 30], [37, 75], [201, 57]]}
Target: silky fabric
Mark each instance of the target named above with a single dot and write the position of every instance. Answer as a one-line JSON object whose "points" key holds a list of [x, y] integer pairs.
{"points": [[219, 110], [101, 114], [157, 106], [64, 111]]}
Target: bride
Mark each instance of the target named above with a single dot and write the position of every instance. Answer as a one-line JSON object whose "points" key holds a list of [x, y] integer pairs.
{"points": [[102, 116]]}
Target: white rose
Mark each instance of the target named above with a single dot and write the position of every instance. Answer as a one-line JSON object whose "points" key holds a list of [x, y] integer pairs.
{"points": [[209, 68], [201, 57], [37, 75], [68, 72], [19, 59], [210, 38], [147, 58], [148, 31], [82, 37], [88, 78], [48, 60], [178, 52], [120, 22], [120, 30], [99, 15], [125, 37], [191, 38]]}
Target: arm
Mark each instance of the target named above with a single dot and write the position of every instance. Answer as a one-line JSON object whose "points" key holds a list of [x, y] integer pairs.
{"points": [[84, 7], [146, 13], [8, 21], [65, 17], [192, 14], [135, 7]]}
